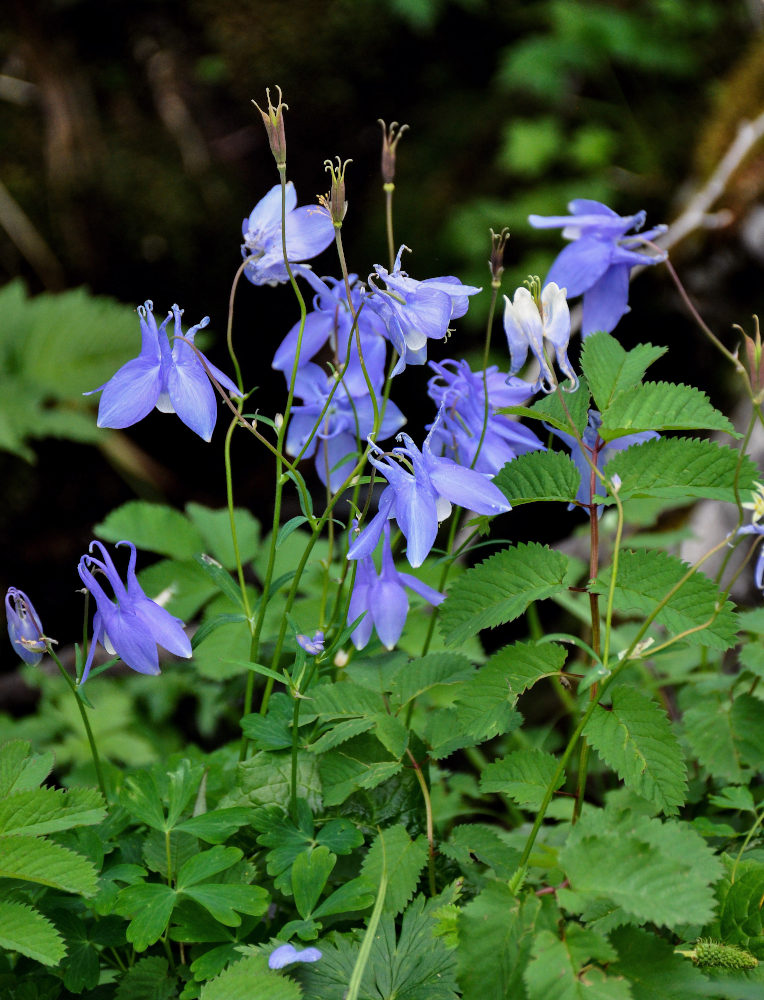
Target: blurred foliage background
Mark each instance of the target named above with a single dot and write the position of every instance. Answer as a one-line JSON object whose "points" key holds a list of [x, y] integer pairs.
{"points": [[131, 153]]}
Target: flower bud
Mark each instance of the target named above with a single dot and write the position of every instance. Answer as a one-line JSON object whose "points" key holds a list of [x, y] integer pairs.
{"points": [[390, 140], [24, 628], [334, 202], [496, 263], [273, 120]]}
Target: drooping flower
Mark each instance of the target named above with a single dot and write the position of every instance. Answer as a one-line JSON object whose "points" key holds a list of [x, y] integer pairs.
{"points": [[383, 597], [756, 528], [172, 380], [134, 626], [348, 419], [413, 311], [593, 443], [286, 954], [528, 321], [460, 395], [309, 230], [24, 627], [419, 500], [313, 646], [598, 261]]}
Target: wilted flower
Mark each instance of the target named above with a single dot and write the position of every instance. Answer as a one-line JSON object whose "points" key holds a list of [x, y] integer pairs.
{"points": [[24, 627], [309, 230], [413, 311], [593, 444], [273, 119], [135, 626], [383, 597], [286, 954], [598, 262], [313, 646], [460, 395], [173, 381], [420, 500], [527, 321]]}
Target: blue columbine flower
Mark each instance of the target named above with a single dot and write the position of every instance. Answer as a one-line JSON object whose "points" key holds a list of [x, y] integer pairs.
{"points": [[460, 395], [528, 321], [413, 311], [135, 626], [286, 954], [597, 264], [172, 380], [313, 646], [592, 443], [383, 597], [419, 500], [24, 627], [309, 230]]}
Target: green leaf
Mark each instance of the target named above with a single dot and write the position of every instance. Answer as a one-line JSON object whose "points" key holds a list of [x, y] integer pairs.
{"points": [[340, 734], [45, 810], [207, 864], [150, 906], [551, 410], [140, 797], [215, 529], [680, 468], [216, 826], [661, 406], [402, 860], [28, 932], [265, 779], [741, 920], [391, 733], [469, 841], [523, 775], [636, 739], [651, 966], [500, 589], [182, 784], [148, 979], [539, 475], [20, 770], [310, 873], [353, 895], [251, 979], [185, 585], [726, 736], [646, 577], [47, 863], [609, 369], [556, 971], [659, 872], [343, 699], [226, 900], [522, 664], [495, 938], [428, 672], [153, 527]]}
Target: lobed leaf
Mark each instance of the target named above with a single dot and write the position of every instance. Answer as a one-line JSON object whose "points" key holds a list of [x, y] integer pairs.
{"points": [[500, 589], [661, 406]]}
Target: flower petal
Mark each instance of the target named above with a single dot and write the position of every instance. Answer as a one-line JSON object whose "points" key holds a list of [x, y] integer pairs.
{"points": [[580, 264], [606, 301], [130, 394]]}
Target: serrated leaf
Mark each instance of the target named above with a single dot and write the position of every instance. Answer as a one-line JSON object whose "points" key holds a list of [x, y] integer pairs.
{"points": [[725, 736], [344, 699], [20, 770], [148, 979], [430, 671], [741, 920], [655, 871], [248, 979], [46, 863], [153, 527], [391, 733], [402, 859], [28, 932], [471, 841], [45, 810], [555, 971], [661, 406], [149, 905], [609, 369], [495, 938], [651, 966], [636, 739], [340, 734], [500, 589], [539, 475], [523, 775], [681, 468], [646, 577], [522, 664], [551, 410]]}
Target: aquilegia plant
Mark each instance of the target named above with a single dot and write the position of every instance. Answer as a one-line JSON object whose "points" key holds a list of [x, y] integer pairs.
{"points": [[350, 779]]}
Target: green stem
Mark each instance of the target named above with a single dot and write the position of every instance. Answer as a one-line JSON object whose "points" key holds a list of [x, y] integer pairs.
{"points": [[389, 188], [85, 721], [295, 732], [428, 820]]}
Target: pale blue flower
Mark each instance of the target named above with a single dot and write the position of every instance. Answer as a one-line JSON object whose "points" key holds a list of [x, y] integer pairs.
{"points": [[528, 322], [309, 230], [134, 626], [286, 954], [598, 261], [460, 395], [414, 311], [419, 500], [756, 529], [383, 597], [24, 627], [172, 380], [313, 646]]}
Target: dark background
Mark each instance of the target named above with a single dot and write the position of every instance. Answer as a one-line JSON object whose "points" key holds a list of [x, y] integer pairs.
{"points": [[132, 149]]}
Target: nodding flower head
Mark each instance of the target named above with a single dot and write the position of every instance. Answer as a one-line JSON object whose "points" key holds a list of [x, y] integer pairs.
{"points": [[533, 316], [24, 627]]}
